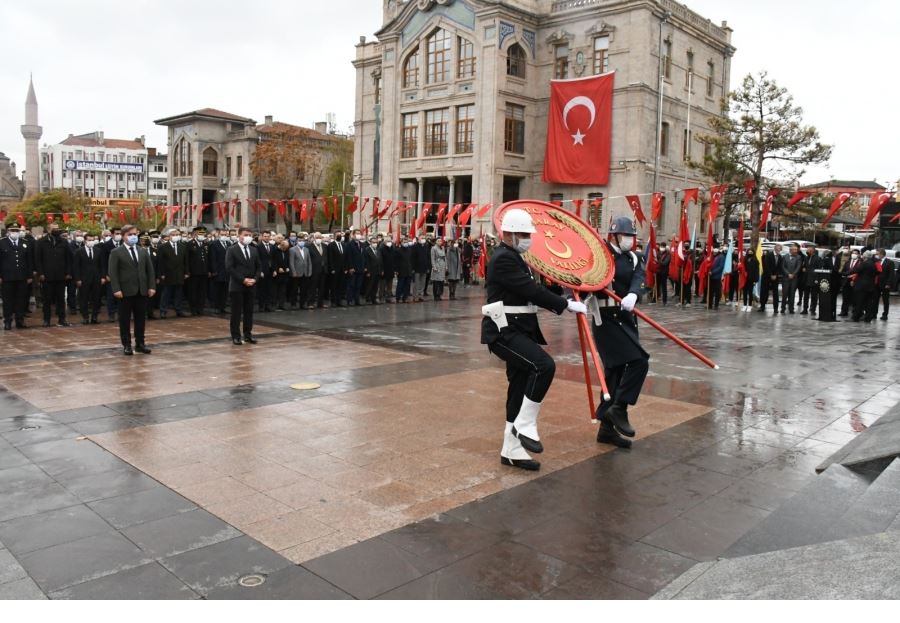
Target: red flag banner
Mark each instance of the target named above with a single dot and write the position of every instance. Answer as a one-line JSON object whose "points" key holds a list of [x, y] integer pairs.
{"points": [[579, 133], [484, 210], [634, 202], [652, 260], [875, 206], [442, 213], [20, 218], [896, 219], [66, 218], [798, 197], [691, 195], [353, 205], [839, 203], [716, 194], [659, 201], [304, 211], [365, 204], [466, 216], [122, 216], [767, 208], [578, 203], [456, 210], [749, 188]]}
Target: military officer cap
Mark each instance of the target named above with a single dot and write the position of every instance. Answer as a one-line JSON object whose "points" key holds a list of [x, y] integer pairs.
{"points": [[623, 226], [154, 233], [199, 230], [13, 227]]}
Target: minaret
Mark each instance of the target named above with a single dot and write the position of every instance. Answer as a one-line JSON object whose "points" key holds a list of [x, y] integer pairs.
{"points": [[32, 133]]}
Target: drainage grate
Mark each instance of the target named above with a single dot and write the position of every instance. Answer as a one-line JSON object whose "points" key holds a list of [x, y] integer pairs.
{"points": [[252, 581], [30, 428]]}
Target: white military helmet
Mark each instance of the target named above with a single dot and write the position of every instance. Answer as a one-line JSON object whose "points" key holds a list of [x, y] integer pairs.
{"points": [[517, 221]]}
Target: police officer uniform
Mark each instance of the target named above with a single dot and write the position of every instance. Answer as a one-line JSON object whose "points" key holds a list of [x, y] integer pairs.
{"points": [[198, 264], [15, 277], [511, 331], [616, 334]]}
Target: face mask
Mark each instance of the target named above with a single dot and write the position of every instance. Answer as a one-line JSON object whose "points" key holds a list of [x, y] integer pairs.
{"points": [[293, 238], [90, 244], [248, 240], [132, 240], [302, 243], [421, 241], [359, 237], [107, 238], [626, 244], [318, 241], [79, 239], [13, 235], [118, 237], [155, 241], [855, 256], [176, 239], [524, 246], [389, 244], [234, 239], [201, 238]]}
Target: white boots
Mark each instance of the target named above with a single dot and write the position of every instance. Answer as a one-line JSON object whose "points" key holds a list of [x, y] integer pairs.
{"points": [[525, 426], [514, 455]]}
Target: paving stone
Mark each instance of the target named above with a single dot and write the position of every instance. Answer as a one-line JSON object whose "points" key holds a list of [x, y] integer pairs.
{"points": [[180, 533], [142, 507], [147, 582], [56, 527], [293, 583], [24, 589], [10, 569], [35, 500], [111, 484]]}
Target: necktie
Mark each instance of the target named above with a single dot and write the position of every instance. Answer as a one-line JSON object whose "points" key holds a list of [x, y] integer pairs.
{"points": [[134, 255], [247, 253], [90, 254], [175, 247]]}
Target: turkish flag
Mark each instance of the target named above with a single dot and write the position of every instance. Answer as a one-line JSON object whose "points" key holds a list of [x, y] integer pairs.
{"points": [[635, 203], [875, 206], [767, 208], [659, 200], [484, 210], [652, 260], [717, 193], [798, 197], [579, 133], [578, 203], [839, 202], [749, 188]]}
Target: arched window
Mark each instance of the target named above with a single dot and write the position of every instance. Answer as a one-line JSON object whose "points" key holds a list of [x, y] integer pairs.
{"points": [[210, 162], [465, 58], [184, 164], [439, 56], [516, 61], [411, 70], [177, 159]]}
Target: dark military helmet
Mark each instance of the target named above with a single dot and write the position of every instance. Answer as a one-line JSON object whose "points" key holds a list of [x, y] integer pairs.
{"points": [[623, 226]]}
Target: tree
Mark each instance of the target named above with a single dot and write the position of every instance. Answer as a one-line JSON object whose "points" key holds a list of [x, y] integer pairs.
{"points": [[720, 167], [339, 172], [761, 131], [43, 208]]}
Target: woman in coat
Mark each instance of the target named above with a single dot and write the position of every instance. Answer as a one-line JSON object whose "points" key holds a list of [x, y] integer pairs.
{"points": [[438, 269], [454, 267]]}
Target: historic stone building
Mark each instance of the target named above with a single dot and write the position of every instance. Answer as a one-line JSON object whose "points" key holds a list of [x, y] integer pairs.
{"points": [[210, 160], [12, 189], [32, 133], [452, 98]]}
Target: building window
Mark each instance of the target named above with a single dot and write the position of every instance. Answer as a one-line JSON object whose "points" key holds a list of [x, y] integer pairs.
{"points": [[557, 198], [439, 56], [561, 61], [664, 140], [210, 162], [240, 167], [689, 74], [465, 129], [710, 79], [686, 150], [159, 184], [466, 58], [184, 163], [377, 90], [436, 125], [667, 60], [707, 151], [601, 55], [411, 70], [228, 166], [410, 147], [514, 135], [159, 167], [516, 61]]}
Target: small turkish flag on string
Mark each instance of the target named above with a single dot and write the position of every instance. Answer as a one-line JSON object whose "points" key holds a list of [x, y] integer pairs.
{"points": [[579, 133], [749, 188], [767, 208], [798, 197], [335, 208], [20, 218], [716, 194], [66, 218], [839, 203], [442, 212], [659, 201], [896, 219], [122, 215], [634, 202], [578, 203], [353, 205], [304, 210], [79, 216], [50, 219], [456, 210], [877, 203], [691, 195], [652, 260], [312, 210], [484, 210], [466, 216], [365, 204], [375, 204]]}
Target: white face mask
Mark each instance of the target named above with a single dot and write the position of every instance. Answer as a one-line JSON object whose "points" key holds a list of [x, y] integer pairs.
{"points": [[524, 246], [107, 238], [90, 244], [79, 239], [389, 244], [359, 237], [13, 235], [626, 243], [176, 239], [118, 237], [234, 238], [248, 240], [201, 238]]}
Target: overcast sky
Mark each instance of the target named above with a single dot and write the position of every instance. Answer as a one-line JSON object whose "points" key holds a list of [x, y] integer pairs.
{"points": [[116, 66]]}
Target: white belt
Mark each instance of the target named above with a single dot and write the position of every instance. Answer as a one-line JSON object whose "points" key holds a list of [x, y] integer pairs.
{"points": [[498, 311], [527, 309]]}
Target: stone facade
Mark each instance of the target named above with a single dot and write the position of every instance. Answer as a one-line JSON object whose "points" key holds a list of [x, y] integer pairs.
{"points": [[546, 35], [12, 189], [32, 133]]}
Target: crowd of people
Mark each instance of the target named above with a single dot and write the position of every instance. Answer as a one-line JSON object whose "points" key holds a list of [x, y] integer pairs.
{"points": [[67, 272], [793, 280]]}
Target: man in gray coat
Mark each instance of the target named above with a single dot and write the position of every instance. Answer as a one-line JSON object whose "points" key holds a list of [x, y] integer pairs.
{"points": [[301, 272], [133, 284], [790, 270]]}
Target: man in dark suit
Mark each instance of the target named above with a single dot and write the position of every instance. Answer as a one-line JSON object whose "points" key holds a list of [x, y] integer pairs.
{"points": [[335, 260], [847, 287], [886, 280], [111, 241], [219, 275], [373, 268], [264, 288], [133, 283], [76, 242], [773, 263], [89, 277], [53, 263], [318, 279], [863, 276], [199, 270], [15, 276], [244, 271], [173, 269], [355, 265], [150, 242]]}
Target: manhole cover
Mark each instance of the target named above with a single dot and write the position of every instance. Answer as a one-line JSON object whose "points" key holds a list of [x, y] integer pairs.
{"points": [[306, 386], [30, 428], [252, 581]]}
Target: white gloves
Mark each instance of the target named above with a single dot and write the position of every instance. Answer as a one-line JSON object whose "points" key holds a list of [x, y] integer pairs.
{"points": [[577, 308], [629, 302]]}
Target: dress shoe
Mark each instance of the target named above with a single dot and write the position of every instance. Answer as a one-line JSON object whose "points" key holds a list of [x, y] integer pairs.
{"points": [[884, 318], [63, 323], [237, 342], [85, 321], [608, 435], [94, 321], [162, 315], [151, 316], [617, 415], [128, 352], [525, 426], [249, 339], [514, 455], [142, 349]]}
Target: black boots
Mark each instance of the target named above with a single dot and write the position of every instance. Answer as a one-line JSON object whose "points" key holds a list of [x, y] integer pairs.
{"points": [[608, 435], [617, 415]]}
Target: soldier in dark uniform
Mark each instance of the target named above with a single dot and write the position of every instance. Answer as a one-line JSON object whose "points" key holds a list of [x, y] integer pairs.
{"points": [[510, 330], [15, 276], [88, 275], [150, 241], [217, 251], [173, 269], [616, 334], [53, 262], [199, 269]]}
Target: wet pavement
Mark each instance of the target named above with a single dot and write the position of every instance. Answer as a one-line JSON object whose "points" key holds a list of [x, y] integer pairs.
{"points": [[174, 475]]}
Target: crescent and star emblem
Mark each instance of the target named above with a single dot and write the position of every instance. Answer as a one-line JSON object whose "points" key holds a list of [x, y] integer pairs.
{"points": [[574, 103], [564, 255]]}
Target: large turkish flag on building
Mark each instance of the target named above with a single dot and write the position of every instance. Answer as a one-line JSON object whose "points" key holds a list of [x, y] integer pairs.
{"points": [[579, 133]]}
